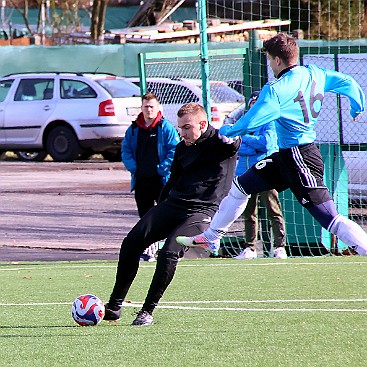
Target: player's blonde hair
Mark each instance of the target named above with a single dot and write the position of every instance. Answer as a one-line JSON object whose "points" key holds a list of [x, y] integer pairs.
{"points": [[192, 108]]}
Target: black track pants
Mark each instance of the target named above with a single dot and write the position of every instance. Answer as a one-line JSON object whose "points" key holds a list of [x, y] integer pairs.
{"points": [[162, 221]]}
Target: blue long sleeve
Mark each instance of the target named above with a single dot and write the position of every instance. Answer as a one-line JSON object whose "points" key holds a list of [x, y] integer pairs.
{"points": [[294, 102]]}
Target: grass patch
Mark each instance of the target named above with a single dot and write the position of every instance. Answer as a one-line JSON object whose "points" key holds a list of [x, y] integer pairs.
{"points": [[217, 312]]}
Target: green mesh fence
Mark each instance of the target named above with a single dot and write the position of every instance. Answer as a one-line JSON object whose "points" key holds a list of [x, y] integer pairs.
{"points": [[177, 81], [341, 141]]}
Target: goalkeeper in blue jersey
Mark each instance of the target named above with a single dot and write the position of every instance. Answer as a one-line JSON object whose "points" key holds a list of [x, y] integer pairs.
{"points": [[293, 100]]}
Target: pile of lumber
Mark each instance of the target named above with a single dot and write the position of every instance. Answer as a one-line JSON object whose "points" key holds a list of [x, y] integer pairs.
{"points": [[189, 32]]}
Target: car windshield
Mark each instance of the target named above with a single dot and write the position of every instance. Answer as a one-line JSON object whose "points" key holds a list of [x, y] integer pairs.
{"points": [[222, 93], [119, 88]]}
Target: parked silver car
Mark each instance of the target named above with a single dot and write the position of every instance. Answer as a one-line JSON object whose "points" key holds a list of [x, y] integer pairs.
{"points": [[65, 114]]}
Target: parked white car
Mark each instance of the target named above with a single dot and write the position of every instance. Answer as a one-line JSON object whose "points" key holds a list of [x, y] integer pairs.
{"points": [[65, 114], [173, 93]]}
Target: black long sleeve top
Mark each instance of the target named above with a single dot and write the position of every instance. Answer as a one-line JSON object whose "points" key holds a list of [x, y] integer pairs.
{"points": [[201, 174]]}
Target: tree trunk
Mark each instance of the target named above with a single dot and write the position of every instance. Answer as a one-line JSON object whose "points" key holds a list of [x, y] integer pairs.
{"points": [[101, 21], [94, 20], [364, 20], [23, 13]]}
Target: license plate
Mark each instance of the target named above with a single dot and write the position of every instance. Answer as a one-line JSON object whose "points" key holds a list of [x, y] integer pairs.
{"points": [[133, 111]]}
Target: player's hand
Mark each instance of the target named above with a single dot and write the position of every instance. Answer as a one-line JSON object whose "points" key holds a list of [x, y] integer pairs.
{"points": [[222, 135], [356, 118], [226, 139]]}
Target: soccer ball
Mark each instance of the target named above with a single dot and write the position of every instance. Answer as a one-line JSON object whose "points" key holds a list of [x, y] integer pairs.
{"points": [[87, 310]]}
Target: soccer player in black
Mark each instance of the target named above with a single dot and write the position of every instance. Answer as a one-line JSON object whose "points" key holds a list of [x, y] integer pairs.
{"points": [[201, 175]]}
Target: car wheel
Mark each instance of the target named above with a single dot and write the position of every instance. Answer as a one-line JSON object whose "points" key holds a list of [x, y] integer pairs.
{"points": [[112, 156], [31, 156], [62, 144]]}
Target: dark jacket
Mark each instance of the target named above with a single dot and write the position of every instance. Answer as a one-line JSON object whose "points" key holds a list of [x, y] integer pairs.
{"points": [[201, 174], [167, 141]]}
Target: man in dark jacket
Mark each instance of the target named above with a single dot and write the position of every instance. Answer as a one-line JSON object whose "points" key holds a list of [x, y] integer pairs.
{"points": [[201, 174]]}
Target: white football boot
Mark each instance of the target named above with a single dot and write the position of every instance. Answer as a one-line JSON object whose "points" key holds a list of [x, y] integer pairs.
{"points": [[199, 241]]}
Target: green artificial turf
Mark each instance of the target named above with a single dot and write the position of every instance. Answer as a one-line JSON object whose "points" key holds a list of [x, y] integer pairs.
{"points": [[216, 312]]}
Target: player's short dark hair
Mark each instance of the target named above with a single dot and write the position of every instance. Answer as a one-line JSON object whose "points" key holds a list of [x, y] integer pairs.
{"points": [[283, 46], [149, 97], [191, 108]]}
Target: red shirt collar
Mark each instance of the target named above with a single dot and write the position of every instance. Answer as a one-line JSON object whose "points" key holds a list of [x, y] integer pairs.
{"points": [[141, 122]]}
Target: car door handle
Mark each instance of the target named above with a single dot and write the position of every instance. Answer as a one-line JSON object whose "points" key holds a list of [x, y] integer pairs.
{"points": [[47, 108]]}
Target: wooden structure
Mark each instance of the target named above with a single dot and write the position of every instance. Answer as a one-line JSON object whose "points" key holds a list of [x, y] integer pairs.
{"points": [[187, 32]]}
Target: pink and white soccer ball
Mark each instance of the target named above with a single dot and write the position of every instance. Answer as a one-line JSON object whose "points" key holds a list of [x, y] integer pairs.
{"points": [[87, 310]]}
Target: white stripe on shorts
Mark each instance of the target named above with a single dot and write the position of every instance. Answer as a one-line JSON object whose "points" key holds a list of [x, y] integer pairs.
{"points": [[310, 178], [238, 185]]}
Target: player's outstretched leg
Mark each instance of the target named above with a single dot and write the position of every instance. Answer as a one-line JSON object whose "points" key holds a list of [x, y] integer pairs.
{"points": [[350, 233], [229, 210]]}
